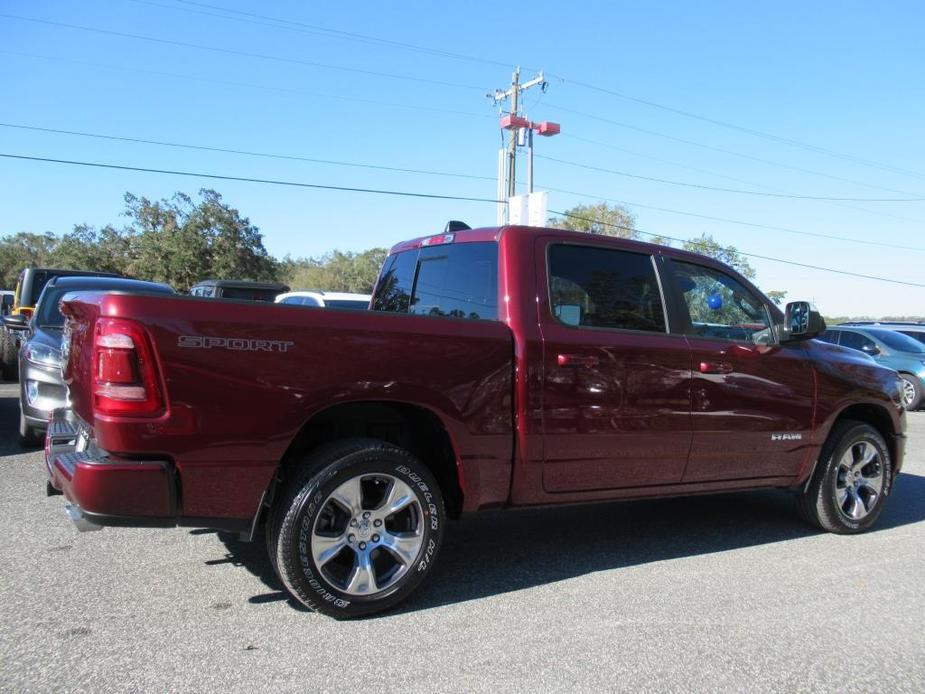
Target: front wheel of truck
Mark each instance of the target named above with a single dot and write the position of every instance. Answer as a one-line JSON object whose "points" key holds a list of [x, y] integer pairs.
{"points": [[851, 482], [357, 527]]}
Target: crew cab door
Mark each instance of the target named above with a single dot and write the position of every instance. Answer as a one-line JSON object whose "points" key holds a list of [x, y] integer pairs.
{"points": [[751, 399], [615, 383]]}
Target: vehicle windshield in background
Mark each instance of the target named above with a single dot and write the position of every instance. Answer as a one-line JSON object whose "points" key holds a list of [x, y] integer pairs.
{"points": [[917, 335], [898, 341], [39, 280], [351, 304], [48, 315], [454, 281], [249, 294]]}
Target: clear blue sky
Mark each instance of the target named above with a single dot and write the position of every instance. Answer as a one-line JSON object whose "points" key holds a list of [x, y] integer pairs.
{"points": [[846, 77]]}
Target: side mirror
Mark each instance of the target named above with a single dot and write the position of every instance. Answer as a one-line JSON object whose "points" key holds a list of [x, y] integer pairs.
{"points": [[18, 322], [872, 350], [801, 322]]}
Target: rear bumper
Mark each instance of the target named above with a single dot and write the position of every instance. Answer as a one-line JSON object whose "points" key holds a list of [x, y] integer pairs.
{"points": [[103, 490]]}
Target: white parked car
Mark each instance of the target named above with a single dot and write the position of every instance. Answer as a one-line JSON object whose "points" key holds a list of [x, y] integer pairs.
{"points": [[356, 302]]}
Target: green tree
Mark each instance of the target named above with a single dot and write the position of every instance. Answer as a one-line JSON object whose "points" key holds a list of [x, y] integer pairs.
{"points": [[180, 242], [730, 255], [86, 248], [24, 250], [336, 271], [601, 218]]}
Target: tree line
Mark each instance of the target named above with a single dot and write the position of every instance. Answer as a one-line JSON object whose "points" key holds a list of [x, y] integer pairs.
{"points": [[182, 240]]}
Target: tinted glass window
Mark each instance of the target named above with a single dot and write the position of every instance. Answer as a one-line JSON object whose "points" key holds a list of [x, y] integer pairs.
{"points": [[604, 288], [350, 304], [898, 341], [915, 335], [720, 306], [855, 340], [393, 291], [457, 281], [249, 294], [829, 336]]}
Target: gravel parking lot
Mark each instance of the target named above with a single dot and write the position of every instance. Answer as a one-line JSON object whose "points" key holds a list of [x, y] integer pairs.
{"points": [[726, 593]]}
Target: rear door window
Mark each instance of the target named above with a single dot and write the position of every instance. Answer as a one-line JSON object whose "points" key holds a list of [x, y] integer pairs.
{"points": [[856, 341], [604, 288]]}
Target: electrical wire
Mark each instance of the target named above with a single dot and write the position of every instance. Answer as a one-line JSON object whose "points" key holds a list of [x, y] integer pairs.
{"points": [[303, 27], [754, 225], [246, 54], [267, 155], [277, 22], [750, 255], [748, 131], [280, 23], [245, 179], [410, 194], [431, 172], [721, 150], [739, 191], [250, 85]]}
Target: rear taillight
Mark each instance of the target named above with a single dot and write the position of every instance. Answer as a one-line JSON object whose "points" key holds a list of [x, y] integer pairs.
{"points": [[125, 380]]}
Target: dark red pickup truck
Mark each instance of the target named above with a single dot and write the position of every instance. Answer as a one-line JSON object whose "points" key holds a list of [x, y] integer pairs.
{"points": [[497, 367]]}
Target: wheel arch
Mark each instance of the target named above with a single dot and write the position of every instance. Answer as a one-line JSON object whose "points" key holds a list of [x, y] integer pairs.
{"points": [[413, 427], [877, 416]]}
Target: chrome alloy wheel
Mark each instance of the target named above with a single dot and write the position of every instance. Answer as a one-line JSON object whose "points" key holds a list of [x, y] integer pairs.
{"points": [[859, 480], [908, 391], [368, 534]]}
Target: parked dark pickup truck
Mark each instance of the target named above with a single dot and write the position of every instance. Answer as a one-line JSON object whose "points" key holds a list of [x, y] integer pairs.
{"points": [[499, 367]]}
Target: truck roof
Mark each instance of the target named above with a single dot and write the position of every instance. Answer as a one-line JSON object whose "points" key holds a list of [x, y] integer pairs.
{"points": [[484, 234]]}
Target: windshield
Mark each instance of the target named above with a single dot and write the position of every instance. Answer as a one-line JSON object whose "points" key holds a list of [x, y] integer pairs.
{"points": [[352, 304], [249, 293], [898, 341], [48, 315]]}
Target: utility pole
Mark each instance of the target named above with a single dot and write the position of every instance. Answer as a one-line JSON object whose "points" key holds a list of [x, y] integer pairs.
{"points": [[515, 123]]}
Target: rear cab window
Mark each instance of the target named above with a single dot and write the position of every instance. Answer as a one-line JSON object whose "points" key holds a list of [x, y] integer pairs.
{"points": [[452, 280]]}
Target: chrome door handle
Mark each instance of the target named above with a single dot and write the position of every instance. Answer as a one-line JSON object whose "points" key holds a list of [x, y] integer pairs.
{"points": [[577, 360], [715, 367]]}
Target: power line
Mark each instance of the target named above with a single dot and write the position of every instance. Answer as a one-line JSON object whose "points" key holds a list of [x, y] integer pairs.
{"points": [[722, 190], [431, 172], [250, 85], [410, 194], [748, 131], [750, 255], [277, 22], [267, 155], [244, 179], [303, 27], [721, 150], [755, 225], [246, 54]]}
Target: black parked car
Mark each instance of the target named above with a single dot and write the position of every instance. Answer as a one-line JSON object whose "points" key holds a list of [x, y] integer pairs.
{"points": [[246, 290], [41, 389]]}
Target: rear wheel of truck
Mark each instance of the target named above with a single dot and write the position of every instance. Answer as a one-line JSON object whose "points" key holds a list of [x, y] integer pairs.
{"points": [[356, 528], [851, 482]]}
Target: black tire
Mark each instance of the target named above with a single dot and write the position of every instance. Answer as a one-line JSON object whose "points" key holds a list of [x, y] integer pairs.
{"points": [[305, 513], [828, 502], [911, 384], [9, 366], [29, 437]]}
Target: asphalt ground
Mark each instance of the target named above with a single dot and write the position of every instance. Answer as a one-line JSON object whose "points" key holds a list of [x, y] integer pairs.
{"points": [[724, 593]]}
